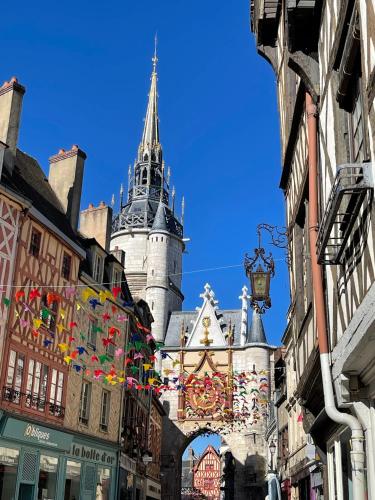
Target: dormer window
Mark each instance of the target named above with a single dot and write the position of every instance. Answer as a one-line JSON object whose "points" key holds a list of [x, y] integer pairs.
{"points": [[116, 278], [98, 268]]}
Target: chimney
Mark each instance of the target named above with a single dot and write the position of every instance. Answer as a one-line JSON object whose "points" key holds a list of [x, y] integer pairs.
{"points": [[95, 222], [119, 254], [65, 178], [11, 95]]}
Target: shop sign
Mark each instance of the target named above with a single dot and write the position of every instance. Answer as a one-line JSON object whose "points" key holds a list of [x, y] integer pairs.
{"points": [[128, 464], [36, 434], [94, 454]]}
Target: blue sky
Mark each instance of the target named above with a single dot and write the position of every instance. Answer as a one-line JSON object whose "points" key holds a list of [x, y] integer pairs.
{"points": [[86, 67]]}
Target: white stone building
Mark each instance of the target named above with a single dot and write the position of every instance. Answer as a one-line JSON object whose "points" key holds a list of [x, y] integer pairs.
{"points": [[211, 352]]}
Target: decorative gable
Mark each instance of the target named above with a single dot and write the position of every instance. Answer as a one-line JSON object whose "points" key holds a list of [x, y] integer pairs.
{"points": [[208, 328]]}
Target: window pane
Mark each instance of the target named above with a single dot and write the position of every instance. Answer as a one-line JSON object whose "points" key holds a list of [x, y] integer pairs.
{"points": [[47, 477], [72, 480], [103, 486], [19, 372], [8, 473], [53, 386], [11, 365]]}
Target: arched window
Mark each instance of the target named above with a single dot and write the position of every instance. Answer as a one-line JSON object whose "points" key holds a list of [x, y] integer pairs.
{"points": [[144, 176]]}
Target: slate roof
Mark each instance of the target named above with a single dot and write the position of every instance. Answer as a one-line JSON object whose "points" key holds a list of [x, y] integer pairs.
{"points": [[160, 222], [149, 206], [29, 181], [255, 334], [172, 338], [256, 331]]}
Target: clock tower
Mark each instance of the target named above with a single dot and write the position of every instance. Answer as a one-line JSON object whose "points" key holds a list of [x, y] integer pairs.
{"points": [[146, 227]]}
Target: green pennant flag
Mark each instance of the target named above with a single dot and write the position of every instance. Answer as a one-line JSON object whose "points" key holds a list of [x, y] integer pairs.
{"points": [[97, 329], [159, 345], [103, 358], [134, 369], [45, 313], [6, 301], [138, 345]]}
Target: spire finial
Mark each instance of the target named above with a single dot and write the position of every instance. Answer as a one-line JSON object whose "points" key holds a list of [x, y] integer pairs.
{"points": [[162, 181], [173, 198], [155, 58], [150, 136], [121, 195], [182, 210]]}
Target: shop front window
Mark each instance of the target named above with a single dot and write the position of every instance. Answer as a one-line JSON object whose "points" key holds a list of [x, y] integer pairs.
{"points": [[47, 477], [8, 473], [72, 480], [103, 485], [126, 485]]}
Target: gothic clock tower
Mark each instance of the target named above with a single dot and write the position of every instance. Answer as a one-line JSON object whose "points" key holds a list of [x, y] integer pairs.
{"points": [[146, 227]]}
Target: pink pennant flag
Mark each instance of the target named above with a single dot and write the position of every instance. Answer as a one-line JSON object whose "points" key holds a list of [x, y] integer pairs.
{"points": [[24, 323], [119, 352], [122, 318], [138, 355], [70, 292]]}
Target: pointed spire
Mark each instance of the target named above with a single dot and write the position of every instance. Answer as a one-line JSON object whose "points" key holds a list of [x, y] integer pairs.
{"points": [[151, 129], [168, 176], [173, 198], [182, 210], [113, 200], [160, 223], [121, 196], [256, 333], [244, 298]]}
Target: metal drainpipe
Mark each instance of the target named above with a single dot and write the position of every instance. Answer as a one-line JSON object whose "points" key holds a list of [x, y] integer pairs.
{"points": [[357, 454]]}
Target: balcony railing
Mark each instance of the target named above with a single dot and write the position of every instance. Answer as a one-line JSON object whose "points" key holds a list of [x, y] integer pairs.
{"points": [[28, 400], [352, 183]]}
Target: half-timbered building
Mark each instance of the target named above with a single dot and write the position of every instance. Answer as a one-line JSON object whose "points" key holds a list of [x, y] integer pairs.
{"points": [[207, 473], [67, 421], [323, 55]]}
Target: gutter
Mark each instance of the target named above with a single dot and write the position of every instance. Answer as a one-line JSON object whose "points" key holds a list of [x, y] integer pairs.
{"points": [[357, 454]]}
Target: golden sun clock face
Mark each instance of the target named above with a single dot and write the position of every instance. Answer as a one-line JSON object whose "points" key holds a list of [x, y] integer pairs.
{"points": [[205, 396]]}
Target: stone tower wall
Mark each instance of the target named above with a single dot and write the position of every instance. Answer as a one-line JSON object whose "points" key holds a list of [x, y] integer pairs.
{"points": [[157, 281], [134, 244]]}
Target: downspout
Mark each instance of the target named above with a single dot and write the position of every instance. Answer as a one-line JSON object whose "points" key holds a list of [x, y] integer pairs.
{"points": [[357, 454]]}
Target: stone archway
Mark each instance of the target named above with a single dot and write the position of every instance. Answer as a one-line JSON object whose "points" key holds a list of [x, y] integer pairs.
{"points": [[246, 447], [216, 378]]}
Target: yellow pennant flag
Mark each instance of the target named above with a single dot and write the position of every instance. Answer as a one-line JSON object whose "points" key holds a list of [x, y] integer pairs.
{"points": [[121, 379], [67, 359], [78, 306], [146, 366], [151, 381], [62, 313], [63, 347], [37, 322], [60, 328]]}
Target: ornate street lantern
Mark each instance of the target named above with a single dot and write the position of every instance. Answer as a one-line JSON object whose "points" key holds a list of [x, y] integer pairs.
{"points": [[260, 269]]}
